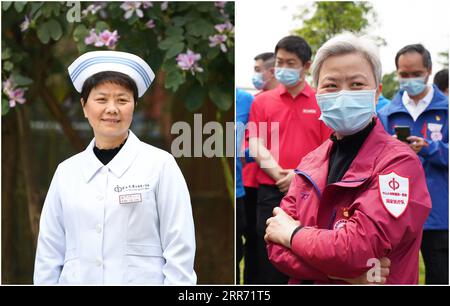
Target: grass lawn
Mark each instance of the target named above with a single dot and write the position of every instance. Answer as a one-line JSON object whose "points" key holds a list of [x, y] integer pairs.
{"points": [[421, 271]]}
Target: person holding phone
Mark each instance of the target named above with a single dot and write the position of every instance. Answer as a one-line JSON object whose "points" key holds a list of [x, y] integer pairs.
{"points": [[424, 109]]}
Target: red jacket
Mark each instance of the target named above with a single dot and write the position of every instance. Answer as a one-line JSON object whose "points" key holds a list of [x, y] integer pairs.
{"points": [[377, 210]]}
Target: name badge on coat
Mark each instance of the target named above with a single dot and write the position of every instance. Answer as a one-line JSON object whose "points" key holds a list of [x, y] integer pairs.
{"points": [[130, 198]]}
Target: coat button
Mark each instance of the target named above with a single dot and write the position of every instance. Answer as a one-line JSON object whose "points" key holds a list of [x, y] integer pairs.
{"points": [[98, 262]]}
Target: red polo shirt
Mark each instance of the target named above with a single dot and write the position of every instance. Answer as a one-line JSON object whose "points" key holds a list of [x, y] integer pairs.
{"points": [[299, 128]]}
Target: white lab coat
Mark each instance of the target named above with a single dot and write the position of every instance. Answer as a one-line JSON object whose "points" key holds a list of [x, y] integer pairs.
{"points": [[127, 222]]}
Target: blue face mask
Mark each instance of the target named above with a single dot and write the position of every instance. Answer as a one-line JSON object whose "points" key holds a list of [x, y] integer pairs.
{"points": [[413, 86], [287, 76], [348, 111], [258, 80]]}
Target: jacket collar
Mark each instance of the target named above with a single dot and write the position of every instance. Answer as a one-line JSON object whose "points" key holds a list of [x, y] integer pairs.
{"points": [[362, 167], [438, 102], [118, 165]]}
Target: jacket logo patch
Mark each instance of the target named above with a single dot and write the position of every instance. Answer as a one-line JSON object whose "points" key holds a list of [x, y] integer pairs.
{"points": [[394, 193], [435, 129]]}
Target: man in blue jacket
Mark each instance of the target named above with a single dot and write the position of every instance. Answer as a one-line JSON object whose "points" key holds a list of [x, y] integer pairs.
{"points": [[424, 109]]}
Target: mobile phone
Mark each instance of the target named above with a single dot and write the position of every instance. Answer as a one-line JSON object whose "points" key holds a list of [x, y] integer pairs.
{"points": [[402, 132]]}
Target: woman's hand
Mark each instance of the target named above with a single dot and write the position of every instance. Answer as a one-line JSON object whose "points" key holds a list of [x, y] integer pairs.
{"points": [[280, 227], [364, 279]]}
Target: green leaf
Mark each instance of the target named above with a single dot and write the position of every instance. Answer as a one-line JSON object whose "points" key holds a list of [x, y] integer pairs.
{"points": [[80, 33], [43, 33], [174, 50], [47, 9], [179, 21], [200, 27], [54, 29], [19, 5], [174, 32], [195, 97], [101, 26], [35, 6], [203, 6], [55, 7], [213, 53], [6, 5], [201, 77], [174, 79], [8, 66], [21, 80], [230, 56], [166, 43], [5, 107], [6, 53], [223, 100]]}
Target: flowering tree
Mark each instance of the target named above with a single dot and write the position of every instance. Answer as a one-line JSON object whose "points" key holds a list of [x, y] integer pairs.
{"points": [[191, 43]]}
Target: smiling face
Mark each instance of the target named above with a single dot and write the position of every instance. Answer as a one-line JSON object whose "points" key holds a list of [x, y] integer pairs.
{"points": [[346, 72], [109, 110]]}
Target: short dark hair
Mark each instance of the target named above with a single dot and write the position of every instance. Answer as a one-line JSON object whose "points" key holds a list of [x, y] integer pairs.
{"points": [[268, 59], [295, 44], [264, 56], [441, 79], [426, 57], [108, 77]]}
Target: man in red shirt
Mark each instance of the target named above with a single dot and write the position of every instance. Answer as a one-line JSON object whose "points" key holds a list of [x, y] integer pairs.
{"points": [[291, 114], [263, 80]]}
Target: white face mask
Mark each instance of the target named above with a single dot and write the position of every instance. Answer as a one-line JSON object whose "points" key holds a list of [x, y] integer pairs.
{"points": [[288, 76], [347, 111]]}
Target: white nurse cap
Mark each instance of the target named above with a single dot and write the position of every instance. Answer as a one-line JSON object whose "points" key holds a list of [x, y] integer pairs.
{"points": [[93, 62]]}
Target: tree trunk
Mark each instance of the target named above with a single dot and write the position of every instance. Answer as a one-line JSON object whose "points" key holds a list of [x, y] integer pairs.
{"points": [[77, 143], [28, 172], [9, 178]]}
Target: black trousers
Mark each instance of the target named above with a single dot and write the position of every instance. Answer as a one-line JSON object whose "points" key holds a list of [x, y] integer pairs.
{"points": [[435, 256], [240, 228], [250, 251], [269, 197]]}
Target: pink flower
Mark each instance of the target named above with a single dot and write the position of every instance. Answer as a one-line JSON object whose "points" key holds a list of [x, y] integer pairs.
{"points": [[131, 7], [164, 5], [220, 4], [105, 38], [146, 4], [8, 86], [109, 39], [218, 40], [15, 95], [188, 61], [93, 9], [92, 38], [227, 26], [25, 24], [150, 24]]}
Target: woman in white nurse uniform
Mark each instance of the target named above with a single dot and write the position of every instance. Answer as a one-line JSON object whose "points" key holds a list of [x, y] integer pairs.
{"points": [[118, 212]]}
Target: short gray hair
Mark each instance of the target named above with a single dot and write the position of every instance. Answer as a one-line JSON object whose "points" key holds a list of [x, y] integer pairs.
{"points": [[345, 44]]}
